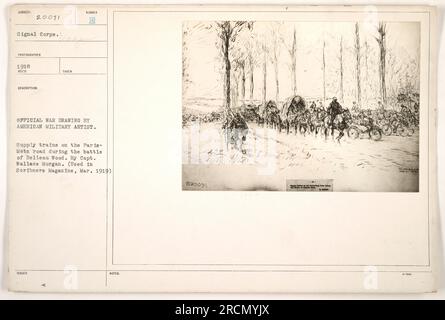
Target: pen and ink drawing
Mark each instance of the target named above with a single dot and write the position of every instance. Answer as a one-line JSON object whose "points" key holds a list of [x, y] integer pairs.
{"points": [[269, 101]]}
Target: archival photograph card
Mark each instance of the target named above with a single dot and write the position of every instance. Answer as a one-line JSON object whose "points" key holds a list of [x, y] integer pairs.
{"points": [[234, 148]]}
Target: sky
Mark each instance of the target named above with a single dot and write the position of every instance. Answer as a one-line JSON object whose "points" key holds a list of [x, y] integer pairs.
{"points": [[205, 66]]}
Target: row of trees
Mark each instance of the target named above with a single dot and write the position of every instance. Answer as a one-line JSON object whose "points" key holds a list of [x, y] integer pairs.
{"points": [[245, 47]]}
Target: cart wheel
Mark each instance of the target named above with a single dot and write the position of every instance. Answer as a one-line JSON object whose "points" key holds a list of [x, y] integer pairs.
{"points": [[402, 131], [353, 133], [376, 135], [387, 130]]}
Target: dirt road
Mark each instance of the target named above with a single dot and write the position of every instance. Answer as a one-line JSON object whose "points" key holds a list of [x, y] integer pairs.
{"points": [[267, 158]]}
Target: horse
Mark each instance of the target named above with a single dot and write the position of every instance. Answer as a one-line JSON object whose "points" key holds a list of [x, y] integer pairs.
{"points": [[341, 122], [272, 119], [292, 111], [250, 112], [236, 129], [317, 120], [303, 121], [271, 115]]}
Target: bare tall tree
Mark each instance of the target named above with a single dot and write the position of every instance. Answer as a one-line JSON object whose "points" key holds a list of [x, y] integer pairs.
{"points": [[366, 88], [185, 60], [357, 66], [187, 34], [342, 96], [251, 61], [381, 40], [239, 56], [228, 32], [292, 50], [243, 81], [277, 83], [237, 91], [235, 85], [324, 73], [264, 73], [293, 54], [251, 82], [275, 51]]}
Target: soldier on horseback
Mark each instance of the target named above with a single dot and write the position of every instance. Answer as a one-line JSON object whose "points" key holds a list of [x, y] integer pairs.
{"points": [[312, 107], [333, 110]]}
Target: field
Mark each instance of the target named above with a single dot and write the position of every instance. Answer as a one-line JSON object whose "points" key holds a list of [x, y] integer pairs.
{"points": [[267, 158]]}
